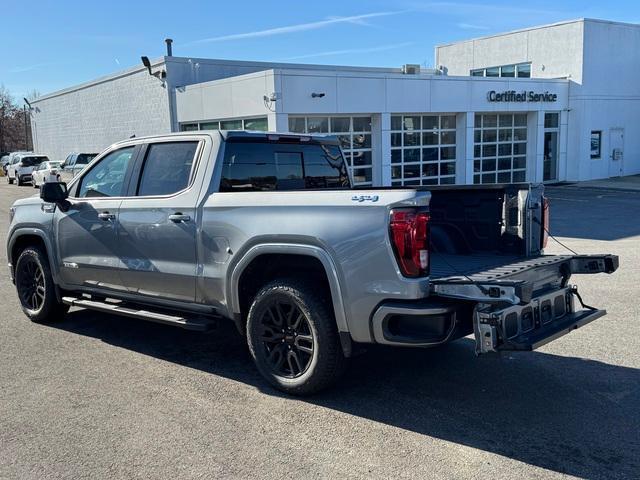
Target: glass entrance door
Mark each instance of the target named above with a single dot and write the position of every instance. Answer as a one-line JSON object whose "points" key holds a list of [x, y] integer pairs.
{"points": [[550, 164], [550, 160]]}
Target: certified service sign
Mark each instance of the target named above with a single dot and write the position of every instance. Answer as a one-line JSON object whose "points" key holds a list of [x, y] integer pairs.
{"points": [[523, 96]]}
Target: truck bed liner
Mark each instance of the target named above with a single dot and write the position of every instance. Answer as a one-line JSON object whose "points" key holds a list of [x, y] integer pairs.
{"points": [[486, 267]]}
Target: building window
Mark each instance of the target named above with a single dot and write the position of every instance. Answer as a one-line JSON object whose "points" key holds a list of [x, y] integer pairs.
{"points": [[231, 125], [520, 70], [423, 149], [354, 134], [500, 148], [508, 71], [188, 127], [596, 139], [258, 124], [524, 70], [210, 126]]}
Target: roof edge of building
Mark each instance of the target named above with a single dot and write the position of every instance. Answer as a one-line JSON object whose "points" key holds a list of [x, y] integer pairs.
{"points": [[538, 27], [106, 78]]}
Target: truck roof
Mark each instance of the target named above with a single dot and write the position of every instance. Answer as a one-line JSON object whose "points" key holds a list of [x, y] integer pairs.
{"points": [[245, 134]]}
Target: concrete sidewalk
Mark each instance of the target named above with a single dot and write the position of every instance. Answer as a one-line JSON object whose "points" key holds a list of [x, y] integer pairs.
{"points": [[631, 182]]}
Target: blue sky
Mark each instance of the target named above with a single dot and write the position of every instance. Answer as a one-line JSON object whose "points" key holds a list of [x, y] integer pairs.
{"points": [[51, 45]]}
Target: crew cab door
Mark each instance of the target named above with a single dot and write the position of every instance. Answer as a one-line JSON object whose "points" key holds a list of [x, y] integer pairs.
{"points": [[157, 222], [86, 233]]}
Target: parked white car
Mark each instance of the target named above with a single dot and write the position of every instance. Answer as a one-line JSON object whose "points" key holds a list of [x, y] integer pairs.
{"points": [[22, 166], [46, 172]]}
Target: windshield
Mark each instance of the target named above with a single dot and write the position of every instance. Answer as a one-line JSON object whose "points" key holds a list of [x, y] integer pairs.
{"points": [[32, 161]]}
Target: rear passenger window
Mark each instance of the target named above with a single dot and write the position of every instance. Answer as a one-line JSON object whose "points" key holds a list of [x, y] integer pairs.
{"points": [[277, 166], [167, 168]]}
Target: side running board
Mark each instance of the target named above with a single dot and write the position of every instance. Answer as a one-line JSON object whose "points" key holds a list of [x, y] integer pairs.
{"points": [[197, 323]]}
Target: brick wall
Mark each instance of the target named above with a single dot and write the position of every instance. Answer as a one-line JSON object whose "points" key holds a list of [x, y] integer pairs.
{"points": [[89, 118]]}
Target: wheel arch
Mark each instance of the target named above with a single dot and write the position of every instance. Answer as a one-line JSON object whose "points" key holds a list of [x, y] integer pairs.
{"points": [[257, 252], [25, 237]]}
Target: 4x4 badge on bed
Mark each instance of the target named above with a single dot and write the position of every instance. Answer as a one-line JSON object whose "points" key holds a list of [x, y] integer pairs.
{"points": [[364, 198]]}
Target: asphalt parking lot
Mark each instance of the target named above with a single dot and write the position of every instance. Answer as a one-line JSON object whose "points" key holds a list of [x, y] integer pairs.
{"points": [[97, 396]]}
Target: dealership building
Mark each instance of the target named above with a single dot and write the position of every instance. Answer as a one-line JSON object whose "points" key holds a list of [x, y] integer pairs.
{"points": [[552, 103]]}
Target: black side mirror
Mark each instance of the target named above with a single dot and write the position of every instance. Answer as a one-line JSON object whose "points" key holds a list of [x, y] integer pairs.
{"points": [[55, 192]]}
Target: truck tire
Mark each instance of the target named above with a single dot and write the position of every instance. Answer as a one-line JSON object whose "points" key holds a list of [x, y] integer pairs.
{"points": [[293, 337], [36, 289], [19, 180], [10, 180]]}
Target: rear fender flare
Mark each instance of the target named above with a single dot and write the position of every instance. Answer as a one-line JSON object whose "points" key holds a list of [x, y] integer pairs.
{"points": [[233, 293]]}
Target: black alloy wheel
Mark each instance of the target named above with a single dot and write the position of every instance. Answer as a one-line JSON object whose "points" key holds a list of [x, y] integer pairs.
{"points": [[293, 336], [31, 284], [36, 288], [287, 338]]}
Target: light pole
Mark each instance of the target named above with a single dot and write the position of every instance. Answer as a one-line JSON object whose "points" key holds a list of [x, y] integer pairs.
{"points": [[26, 130]]}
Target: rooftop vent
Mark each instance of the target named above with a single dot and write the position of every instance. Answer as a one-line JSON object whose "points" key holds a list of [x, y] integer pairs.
{"points": [[411, 69]]}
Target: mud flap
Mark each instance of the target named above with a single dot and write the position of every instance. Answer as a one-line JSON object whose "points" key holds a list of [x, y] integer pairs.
{"points": [[527, 327]]}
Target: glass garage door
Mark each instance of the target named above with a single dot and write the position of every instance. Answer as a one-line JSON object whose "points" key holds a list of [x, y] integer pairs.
{"points": [[354, 134], [500, 148], [423, 149]]}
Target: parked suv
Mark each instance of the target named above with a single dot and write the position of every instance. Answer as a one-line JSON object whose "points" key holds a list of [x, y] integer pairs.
{"points": [[22, 166], [265, 230], [74, 163], [6, 161]]}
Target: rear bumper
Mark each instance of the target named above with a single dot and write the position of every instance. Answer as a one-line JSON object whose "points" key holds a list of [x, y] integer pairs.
{"points": [[423, 323]]}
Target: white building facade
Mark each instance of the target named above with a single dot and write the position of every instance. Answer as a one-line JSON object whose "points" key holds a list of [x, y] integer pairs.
{"points": [[525, 106], [399, 129], [601, 62]]}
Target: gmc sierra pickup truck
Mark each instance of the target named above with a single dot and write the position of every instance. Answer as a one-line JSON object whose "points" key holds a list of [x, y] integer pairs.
{"points": [[264, 229]]}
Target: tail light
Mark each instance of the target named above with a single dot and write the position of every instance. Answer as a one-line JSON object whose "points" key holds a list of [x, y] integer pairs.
{"points": [[544, 237], [409, 231]]}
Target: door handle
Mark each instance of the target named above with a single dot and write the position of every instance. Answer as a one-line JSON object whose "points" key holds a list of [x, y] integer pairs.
{"points": [[106, 216], [179, 217]]}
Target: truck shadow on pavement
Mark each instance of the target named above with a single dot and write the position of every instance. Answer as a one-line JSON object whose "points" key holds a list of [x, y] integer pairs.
{"points": [[566, 414]]}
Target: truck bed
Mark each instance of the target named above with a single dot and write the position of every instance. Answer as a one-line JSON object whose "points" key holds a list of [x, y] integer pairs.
{"points": [[486, 266]]}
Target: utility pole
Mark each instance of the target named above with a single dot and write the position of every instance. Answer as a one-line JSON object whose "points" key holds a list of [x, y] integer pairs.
{"points": [[26, 131]]}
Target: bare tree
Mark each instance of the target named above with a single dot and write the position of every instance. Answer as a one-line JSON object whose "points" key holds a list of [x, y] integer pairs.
{"points": [[13, 134]]}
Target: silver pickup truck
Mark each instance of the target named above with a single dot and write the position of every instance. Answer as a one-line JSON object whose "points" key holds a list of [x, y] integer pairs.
{"points": [[265, 230]]}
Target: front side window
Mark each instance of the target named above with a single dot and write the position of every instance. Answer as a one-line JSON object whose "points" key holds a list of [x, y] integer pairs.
{"points": [[107, 177], [167, 168]]}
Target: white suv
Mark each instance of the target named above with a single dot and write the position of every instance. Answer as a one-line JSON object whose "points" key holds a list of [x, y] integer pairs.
{"points": [[22, 166]]}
